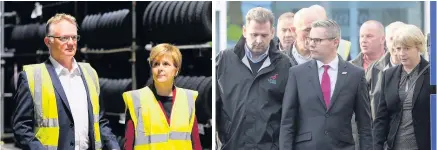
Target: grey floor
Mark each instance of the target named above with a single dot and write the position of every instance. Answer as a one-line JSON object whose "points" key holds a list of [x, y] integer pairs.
{"points": [[8, 146]]}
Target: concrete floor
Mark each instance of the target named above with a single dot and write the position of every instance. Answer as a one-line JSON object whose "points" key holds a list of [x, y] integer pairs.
{"points": [[8, 146]]}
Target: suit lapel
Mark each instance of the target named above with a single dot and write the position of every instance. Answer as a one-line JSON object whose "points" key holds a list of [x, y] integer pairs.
{"points": [[418, 87], [340, 80], [90, 109], [314, 80], [419, 82], [58, 86], [394, 82]]}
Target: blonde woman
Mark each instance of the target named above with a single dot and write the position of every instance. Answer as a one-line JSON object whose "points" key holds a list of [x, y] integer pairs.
{"points": [[402, 120], [162, 116]]}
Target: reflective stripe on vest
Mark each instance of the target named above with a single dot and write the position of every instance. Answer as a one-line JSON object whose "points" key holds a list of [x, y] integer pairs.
{"points": [[46, 112], [92, 81], [155, 133]]}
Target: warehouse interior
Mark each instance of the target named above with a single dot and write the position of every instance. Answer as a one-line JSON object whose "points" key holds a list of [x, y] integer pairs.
{"points": [[116, 38]]}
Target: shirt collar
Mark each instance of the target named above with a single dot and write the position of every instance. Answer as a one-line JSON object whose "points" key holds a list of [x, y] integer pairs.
{"points": [[60, 69], [333, 64], [249, 54], [295, 52], [280, 47]]}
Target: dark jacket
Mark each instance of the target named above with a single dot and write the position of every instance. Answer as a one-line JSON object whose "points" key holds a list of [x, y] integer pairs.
{"points": [[248, 110], [23, 119], [358, 61], [373, 76], [389, 114], [308, 124], [287, 53]]}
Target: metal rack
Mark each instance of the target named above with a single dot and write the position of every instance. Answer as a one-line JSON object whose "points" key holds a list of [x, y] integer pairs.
{"points": [[132, 49], [2, 72]]}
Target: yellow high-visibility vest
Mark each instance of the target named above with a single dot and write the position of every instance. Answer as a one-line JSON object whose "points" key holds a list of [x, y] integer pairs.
{"points": [[344, 49], [152, 132], [44, 99]]}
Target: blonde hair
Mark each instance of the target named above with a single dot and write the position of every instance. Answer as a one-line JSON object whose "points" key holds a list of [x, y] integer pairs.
{"points": [[410, 36], [166, 50], [59, 17], [260, 15]]}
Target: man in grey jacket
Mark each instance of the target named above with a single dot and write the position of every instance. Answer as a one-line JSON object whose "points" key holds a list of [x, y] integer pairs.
{"points": [[251, 79], [372, 49], [321, 97], [389, 60]]}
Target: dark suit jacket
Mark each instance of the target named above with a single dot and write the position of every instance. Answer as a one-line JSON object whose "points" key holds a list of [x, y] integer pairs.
{"points": [[306, 122], [23, 120], [389, 114]]}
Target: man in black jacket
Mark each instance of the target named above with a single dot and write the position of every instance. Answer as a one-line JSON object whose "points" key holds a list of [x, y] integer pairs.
{"points": [[286, 33], [251, 79]]}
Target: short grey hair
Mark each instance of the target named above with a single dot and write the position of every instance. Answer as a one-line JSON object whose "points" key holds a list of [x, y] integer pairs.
{"points": [[260, 15], [330, 25], [392, 27]]}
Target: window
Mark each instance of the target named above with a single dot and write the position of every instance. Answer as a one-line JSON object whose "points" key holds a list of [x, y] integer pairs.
{"points": [[345, 13]]}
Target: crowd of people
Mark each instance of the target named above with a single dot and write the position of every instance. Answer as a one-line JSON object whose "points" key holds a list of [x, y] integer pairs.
{"points": [[304, 92]]}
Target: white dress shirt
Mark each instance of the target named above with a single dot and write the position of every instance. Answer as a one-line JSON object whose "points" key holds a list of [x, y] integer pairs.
{"points": [[332, 72], [299, 58], [74, 89]]}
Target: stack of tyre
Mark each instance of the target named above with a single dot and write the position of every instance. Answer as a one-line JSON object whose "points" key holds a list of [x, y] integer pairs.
{"points": [[26, 38], [180, 22], [112, 29]]}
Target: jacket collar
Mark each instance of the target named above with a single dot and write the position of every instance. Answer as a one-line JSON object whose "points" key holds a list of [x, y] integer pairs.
{"points": [[274, 54], [384, 61]]}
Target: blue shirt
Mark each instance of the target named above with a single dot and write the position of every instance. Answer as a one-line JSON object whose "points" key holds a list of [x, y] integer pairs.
{"points": [[249, 54]]}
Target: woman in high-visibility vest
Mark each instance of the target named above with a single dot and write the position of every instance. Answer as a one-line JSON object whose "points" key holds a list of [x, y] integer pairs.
{"points": [[161, 115]]}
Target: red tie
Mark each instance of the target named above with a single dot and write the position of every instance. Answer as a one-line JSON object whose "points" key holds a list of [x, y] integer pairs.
{"points": [[326, 86]]}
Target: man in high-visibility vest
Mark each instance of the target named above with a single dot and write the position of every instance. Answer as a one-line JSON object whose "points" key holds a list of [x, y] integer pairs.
{"points": [[57, 102]]}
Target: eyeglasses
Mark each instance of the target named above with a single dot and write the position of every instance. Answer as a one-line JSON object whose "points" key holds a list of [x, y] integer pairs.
{"points": [[75, 38], [317, 40]]}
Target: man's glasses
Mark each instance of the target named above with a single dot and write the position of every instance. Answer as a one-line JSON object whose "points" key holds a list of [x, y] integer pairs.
{"points": [[317, 40], [75, 38]]}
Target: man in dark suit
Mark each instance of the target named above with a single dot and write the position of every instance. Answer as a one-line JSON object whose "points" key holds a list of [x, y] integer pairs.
{"points": [[321, 96], [57, 102]]}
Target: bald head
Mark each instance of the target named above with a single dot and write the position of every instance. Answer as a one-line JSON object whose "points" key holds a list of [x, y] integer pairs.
{"points": [[302, 22], [374, 25], [372, 38], [317, 9]]}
